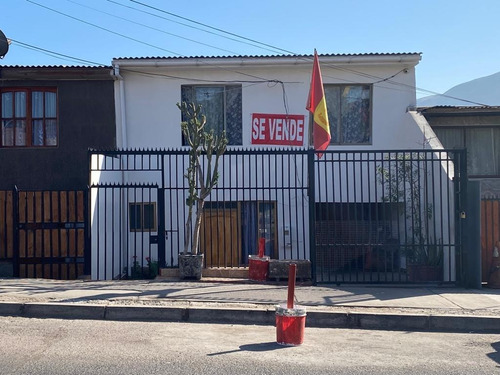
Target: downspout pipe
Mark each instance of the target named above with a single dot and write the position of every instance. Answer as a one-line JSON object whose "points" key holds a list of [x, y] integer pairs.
{"points": [[121, 111], [122, 128]]}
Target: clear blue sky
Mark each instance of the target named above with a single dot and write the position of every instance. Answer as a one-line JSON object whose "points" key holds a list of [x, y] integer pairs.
{"points": [[458, 39]]}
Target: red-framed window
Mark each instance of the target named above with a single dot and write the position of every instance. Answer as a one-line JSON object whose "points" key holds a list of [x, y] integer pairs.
{"points": [[29, 117]]}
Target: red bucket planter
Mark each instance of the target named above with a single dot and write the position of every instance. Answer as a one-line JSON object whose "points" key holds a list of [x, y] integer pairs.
{"points": [[258, 267]]}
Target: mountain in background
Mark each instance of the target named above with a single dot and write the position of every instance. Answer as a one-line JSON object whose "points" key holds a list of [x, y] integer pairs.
{"points": [[485, 90]]}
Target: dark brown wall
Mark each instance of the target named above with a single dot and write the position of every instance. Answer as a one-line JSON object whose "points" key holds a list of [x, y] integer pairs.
{"points": [[86, 119]]}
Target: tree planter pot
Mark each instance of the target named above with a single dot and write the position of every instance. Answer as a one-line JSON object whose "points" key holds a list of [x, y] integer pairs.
{"points": [[420, 272], [190, 266]]}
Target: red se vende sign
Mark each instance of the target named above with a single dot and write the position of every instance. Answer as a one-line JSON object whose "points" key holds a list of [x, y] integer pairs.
{"points": [[272, 129]]}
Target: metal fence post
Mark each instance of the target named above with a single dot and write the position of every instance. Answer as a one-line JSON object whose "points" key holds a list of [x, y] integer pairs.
{"points": [[161, 227], [311, 193], [15, 206], [461, 206], [87, 254], [472, 222]]}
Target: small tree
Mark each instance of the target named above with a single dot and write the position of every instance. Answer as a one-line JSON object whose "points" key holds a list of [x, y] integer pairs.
{"points": [[404, 182], [201, 181]]}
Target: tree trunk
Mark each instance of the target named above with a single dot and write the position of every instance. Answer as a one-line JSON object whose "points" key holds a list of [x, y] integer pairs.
{"points": [[187, 234], [197, 227]]}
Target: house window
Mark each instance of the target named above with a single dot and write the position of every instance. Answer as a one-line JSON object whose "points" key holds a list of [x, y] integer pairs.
{"points": [[142, 217], [349, 113], [29, 117], [222, 107], [482, 144]]}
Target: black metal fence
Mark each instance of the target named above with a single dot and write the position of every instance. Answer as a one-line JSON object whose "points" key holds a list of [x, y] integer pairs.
{"points": [[388, 216], [364, 216]]}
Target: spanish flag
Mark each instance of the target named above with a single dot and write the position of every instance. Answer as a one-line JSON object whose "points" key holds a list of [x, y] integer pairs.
{"points": [[316, 104]]}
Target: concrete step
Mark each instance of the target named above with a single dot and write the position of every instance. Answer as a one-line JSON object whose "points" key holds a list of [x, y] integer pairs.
{"points": [[214, 272]]}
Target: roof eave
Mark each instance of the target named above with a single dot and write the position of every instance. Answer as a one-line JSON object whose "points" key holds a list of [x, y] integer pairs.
{"points": [[347, 60]]}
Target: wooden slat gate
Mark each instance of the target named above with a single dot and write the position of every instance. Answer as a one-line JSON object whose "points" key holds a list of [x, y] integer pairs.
{"points": [[44, 233], [490, 233], [6, 230]]}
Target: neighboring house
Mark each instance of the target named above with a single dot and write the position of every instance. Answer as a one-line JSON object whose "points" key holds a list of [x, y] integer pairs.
{"points": [[364, 230], [50, 117], [478, 130]]}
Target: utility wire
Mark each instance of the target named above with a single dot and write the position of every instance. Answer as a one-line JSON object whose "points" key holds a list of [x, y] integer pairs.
{"points": [[136, 40], [380, 79], [55, 54], [213, 28], [150, 27], [190, 26], [366, 75], [102, 28]]}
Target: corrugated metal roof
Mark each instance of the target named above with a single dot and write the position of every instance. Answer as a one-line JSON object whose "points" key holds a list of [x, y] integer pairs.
{"points": [[54, 67], [266, 56], [451, 108], [17, 72]]}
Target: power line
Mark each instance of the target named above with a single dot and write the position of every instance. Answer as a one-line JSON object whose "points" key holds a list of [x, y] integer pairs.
{"points": [[55, 54], [212, 27], [366, 75], [149, 27], [135, 40], [102, 28], [379, 79], [190, 26], [149, 74]]}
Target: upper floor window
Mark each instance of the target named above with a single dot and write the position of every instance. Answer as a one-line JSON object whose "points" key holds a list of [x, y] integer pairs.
{"points": [[349, 113], [29, 117], [222, 107]]}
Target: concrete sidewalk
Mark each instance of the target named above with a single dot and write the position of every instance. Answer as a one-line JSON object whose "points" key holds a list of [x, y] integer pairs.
{"points": [[236, 301]]}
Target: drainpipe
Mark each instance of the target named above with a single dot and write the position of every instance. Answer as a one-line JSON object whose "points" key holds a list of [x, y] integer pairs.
{"points": [[121, 97], [123, 132]]}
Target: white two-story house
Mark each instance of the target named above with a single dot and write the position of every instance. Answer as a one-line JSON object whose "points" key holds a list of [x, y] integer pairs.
{"points": [[260, 101]]}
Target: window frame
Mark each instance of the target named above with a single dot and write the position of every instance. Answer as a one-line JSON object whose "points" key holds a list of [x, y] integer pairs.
{"points": [[340, 127], [231, 142], [142, 227], [29, 118], [462, 132]]}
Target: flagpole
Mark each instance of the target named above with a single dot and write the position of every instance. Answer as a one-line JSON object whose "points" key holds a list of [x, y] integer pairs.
{"points": [[316, 105]]}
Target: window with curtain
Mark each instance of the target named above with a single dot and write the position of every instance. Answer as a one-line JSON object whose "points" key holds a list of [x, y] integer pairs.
{"points": [[349, 113], [482, 144], [29, 117], [222, 107]]}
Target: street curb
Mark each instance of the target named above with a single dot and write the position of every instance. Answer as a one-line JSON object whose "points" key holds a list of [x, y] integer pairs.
{"points": [[316, 319]]}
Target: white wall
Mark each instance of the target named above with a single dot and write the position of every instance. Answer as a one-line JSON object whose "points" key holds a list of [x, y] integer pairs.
{"points": [[153, 120]]}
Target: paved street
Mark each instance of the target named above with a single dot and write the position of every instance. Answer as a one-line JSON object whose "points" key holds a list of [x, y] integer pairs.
{"points": [[51, 346]]}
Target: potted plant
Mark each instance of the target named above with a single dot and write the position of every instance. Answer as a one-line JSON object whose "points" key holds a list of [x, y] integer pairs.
{"points": [[403, 182], [425, 262], [205, 150]]}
